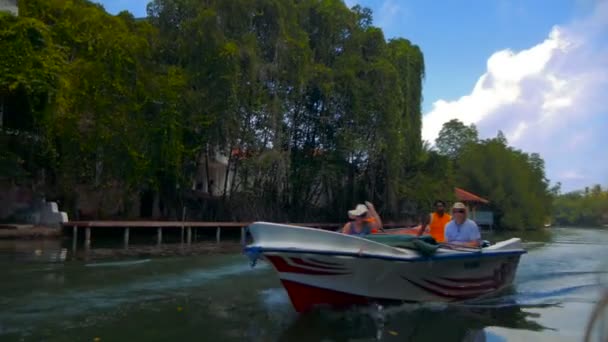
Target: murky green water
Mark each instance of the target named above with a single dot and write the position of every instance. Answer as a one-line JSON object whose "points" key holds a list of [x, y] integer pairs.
{"points": [[220, 298]]}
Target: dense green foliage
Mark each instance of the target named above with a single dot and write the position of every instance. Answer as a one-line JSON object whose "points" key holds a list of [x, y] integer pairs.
{"points": [[313, 107], [588, 207], [324, 110], [513, 181], [454, 137]]}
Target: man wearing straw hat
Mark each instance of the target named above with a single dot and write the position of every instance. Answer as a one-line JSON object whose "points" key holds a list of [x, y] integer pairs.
{"points": [[461, 230]]}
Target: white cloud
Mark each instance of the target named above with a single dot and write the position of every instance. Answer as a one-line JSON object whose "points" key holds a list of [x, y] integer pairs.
{"points": [[519, 131], [578, 139], [503, 85], [544, 98], [389, 12], [572, 175]]}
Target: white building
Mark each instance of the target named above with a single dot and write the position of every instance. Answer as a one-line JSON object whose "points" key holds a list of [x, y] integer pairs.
{"points": [[214, 182], [9, 6]]}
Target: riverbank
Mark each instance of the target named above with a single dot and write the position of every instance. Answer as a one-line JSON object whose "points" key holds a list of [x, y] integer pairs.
{"points": [[26, 231]]}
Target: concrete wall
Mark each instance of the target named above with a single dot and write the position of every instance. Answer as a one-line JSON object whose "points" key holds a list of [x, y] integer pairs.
{"points": [[40, 213], [50, 215]]}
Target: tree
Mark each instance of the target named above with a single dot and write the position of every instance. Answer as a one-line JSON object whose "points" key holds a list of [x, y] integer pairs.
{"points": [[320, 108], [30, 63], [454, 137], [556, 189], [513, 181]]}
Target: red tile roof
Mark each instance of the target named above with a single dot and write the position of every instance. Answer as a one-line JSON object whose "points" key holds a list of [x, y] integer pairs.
{"points": [[465, 196]]}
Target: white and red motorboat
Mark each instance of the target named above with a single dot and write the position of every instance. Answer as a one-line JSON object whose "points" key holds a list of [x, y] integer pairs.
{"points": [[319, 267]]}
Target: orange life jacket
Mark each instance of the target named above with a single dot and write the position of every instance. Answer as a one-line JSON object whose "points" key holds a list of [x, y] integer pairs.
{"points": [[367, 223], [437, 226], [371, 220]]}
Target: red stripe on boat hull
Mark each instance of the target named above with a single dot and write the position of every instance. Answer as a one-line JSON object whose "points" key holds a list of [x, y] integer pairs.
{"points": [[282, 266], [470, 280], [302, 262], [305, 297], [327, 263], [465, 287], [451, 294]]}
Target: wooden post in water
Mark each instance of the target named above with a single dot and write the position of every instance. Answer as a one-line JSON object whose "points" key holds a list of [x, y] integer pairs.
{"points": [[87, 238], [159, 236], [217, 235], [189, 235], [74, 239], [126, 240], [183, 219]]}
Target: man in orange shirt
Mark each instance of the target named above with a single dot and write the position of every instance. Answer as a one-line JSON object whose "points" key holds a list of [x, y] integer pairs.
{"points": [[438, 220]]}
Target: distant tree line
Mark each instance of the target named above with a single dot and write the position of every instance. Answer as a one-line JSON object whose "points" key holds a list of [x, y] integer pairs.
{"points": [[588, 207]]}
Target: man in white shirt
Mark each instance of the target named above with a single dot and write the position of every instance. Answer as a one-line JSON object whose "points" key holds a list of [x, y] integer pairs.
{"points": [[461, 230]]}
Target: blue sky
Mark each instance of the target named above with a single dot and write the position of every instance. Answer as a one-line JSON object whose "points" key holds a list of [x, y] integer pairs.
{"points": [[457, 40], [535, 69]]}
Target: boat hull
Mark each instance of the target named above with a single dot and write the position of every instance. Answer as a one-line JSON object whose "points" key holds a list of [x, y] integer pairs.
{"points": [[312, 280], [357, 271]]}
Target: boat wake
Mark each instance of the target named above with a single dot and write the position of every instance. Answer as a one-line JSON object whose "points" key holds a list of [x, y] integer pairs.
{"points": [[513, 309], [410, 322], [37, 305], [118, 263]]}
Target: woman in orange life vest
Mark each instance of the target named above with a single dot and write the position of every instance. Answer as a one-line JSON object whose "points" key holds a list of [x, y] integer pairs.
{"points": [[365, 220], [438, 221]]}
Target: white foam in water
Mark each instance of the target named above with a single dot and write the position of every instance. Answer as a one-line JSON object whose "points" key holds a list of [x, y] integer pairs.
{"points": [[384, 312], [274, 297]]}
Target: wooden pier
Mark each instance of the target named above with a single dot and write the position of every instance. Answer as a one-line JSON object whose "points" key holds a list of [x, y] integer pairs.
{"points": [[186, 228]]}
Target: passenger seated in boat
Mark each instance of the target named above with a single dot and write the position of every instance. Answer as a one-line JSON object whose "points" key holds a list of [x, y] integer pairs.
{"points": [[461, 230], [437, 222], [423, 224], [365, 220]]}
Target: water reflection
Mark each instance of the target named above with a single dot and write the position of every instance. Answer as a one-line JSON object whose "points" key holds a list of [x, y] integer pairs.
{"points": [[33, 250], [413, 323]]}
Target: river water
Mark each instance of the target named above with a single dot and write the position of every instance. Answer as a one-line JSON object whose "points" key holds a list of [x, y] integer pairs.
{"points": [[220, 298]]}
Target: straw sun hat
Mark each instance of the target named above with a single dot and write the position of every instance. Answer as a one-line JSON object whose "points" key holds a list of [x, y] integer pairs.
{"points": [[359, 210]]}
